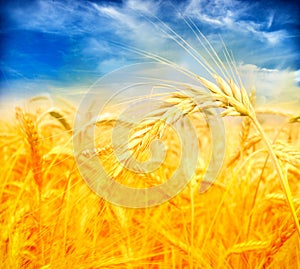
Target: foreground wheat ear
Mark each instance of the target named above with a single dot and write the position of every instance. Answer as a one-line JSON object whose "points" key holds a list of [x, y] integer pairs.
{"points": [[236, 102], [227, 91]]}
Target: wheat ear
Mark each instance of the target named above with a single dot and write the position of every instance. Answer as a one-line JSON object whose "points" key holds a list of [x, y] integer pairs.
{"points": [[287, 154], [236, 102], [176, 106], [228, 94], [30, 130], [249, 246], [278, 242]]}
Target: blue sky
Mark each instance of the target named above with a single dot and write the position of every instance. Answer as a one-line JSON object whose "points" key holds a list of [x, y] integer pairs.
{"points": [[48, 45]]}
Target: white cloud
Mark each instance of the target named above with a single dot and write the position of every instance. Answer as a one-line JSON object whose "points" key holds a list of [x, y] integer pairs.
{"points": [[57, 17], [121, 18], [220, 10], [270, 20], [146, 7], [253, 28], [96, 47], [126, 20], [297, 78], [111, 64], [228, 15], [272, 84], [273, 37], [110, 11], [128, 24], [213, 21]]}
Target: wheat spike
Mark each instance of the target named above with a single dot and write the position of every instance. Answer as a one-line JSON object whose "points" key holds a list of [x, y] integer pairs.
{"points": [[58, 115], [277, 243], [252, 141], [294, 119], [248, 246], [287, 154], [232, 97], [29, 128], [281, 198]]}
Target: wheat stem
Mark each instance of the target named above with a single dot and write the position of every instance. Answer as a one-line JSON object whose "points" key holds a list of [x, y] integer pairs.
{"points": [[283, 179]]}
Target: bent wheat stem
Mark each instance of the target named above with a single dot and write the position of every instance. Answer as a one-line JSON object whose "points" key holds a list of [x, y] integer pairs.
{"points": [[236, 102], [282, 177]]}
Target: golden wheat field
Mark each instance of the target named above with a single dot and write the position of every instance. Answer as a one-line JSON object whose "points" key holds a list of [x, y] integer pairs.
{"points": [[224, 198], [51, 219]]}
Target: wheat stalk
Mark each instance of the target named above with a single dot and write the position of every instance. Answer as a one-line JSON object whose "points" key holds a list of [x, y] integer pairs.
{"points": [[236, 102], [228, 95], [287, 154], [58, 115], [186, 248], [280, 197], [269, 247], [251, 142], [295, 118], [88, 153], [248, 246], [30, 130], [175, 106], [277, 243], [246, 122]]}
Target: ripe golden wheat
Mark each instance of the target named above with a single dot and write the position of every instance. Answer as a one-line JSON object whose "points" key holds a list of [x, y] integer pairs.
{"points": [[249, 217]]}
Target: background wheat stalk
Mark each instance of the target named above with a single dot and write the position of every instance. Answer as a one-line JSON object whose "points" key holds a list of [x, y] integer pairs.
{"points": [[278, 242], [30, 131]]}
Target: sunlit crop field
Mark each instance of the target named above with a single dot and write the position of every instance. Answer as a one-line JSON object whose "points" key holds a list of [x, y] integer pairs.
{"points": [[173, 161], [50, 218]]}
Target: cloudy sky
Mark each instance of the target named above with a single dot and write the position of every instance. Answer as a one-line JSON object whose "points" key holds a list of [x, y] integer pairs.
{"points": [[48, 45]]}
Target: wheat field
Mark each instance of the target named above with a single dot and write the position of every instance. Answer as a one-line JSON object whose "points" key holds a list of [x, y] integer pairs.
{"points": [[247, 218]]}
